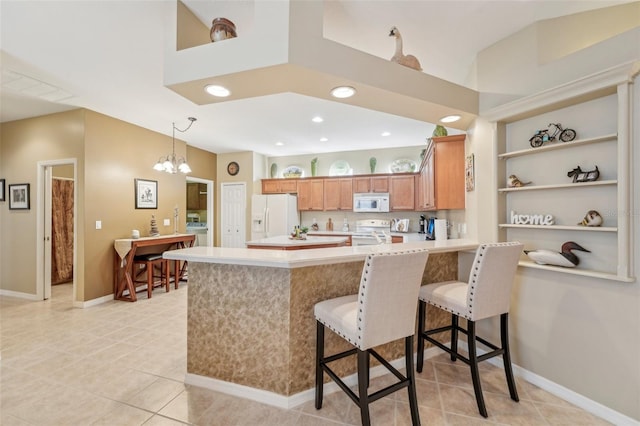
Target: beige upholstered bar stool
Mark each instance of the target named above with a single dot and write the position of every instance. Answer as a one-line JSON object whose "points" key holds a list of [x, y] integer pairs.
{"points": [[150, 261], [487, 294], [384, 310]]}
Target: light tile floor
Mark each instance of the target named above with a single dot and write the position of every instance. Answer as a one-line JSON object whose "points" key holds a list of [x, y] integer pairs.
{"points": [[123, 363]]}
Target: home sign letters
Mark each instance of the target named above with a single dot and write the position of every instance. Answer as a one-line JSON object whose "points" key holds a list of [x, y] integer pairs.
{"points": [[531, 219]]}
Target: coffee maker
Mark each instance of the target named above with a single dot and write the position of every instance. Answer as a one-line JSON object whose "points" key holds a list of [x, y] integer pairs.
{"points": [[423, 225]]}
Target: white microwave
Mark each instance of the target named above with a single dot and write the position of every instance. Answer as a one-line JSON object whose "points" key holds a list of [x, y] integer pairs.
{"points": [[371, 202]]}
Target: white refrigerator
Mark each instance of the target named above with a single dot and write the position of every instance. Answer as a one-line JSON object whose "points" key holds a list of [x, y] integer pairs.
{"points": [[273, 215]]}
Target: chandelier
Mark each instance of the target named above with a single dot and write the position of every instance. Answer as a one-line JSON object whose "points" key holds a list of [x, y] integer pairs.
{"points": [[170, 163]]}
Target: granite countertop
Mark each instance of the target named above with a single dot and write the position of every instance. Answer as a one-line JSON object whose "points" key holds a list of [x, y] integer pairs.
{"points": [[311, 257], [285, 241]]}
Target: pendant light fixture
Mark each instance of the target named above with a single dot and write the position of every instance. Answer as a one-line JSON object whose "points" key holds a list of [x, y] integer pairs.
{"points": [[170, 163]]}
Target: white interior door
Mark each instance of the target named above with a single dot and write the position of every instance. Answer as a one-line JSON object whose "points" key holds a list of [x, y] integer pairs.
{"points": [[233, 201]]}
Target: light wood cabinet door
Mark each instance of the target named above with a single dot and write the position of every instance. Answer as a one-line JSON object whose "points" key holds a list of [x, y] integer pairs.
{"points": [[279, 186], [402, 192], [338, 194], [442, 175], [371, 184], [310, 194]]}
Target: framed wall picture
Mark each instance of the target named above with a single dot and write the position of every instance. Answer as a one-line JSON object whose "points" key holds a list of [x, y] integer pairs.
{"points": [[2, 198], [19, 196], [146, 194], [469, 173]]}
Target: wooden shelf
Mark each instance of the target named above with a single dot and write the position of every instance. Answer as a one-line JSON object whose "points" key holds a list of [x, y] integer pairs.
{"points": [[559, 186], [576, 271], [553, 146], [562, 227]]}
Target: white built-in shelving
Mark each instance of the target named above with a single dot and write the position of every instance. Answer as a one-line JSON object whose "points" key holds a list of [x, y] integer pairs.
{"points": [[599, 108]]}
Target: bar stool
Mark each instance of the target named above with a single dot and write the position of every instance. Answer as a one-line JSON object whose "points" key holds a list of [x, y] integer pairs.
{"points": [[384, 310], [487, 294], [150, 261]]}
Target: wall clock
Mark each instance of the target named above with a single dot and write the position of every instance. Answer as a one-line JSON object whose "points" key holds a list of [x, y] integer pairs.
{"points": [[233, 168]]}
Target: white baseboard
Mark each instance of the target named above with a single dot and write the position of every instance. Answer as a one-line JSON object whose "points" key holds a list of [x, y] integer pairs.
{"points": [[93, 302], [19, 295]]}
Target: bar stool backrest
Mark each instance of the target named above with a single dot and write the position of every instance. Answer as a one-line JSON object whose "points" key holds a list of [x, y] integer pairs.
{"points": [[491, 279], [388, 296]]}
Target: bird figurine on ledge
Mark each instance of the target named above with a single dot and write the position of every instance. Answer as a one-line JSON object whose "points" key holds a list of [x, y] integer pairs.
{"points": [[514, 182], [399, 57], [592, 218], [565, 258]]}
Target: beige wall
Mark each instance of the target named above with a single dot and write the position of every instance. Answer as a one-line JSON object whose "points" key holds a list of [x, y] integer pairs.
{"points": [[110, 154], [190, 30], [579, 332], [24, 144]]}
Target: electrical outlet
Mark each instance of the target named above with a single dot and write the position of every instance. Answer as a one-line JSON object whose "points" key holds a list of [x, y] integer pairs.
{"points": [[98, 224], [167, 222]]}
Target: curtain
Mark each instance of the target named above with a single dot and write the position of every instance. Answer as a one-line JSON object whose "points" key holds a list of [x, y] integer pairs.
{"points": [[61, 231]]}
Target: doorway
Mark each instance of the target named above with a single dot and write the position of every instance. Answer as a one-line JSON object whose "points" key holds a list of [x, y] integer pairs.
{"points": [[233, 203], [200, 209], [47, 226]]}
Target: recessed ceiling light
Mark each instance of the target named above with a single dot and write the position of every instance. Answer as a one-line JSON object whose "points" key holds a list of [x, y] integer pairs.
{"points": [[450, 118], [317, 119], [385, 134], [218, 91], [279, 143], [343, 92], [323, 139]]}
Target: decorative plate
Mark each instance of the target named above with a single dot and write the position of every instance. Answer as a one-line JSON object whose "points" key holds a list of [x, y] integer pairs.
{"points": [[340, 168], [403, 166], [292, 172]]}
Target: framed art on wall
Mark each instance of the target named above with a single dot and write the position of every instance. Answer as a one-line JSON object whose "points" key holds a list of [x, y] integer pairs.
{"points": [[146, 194], [2, 198], [19, 196]]}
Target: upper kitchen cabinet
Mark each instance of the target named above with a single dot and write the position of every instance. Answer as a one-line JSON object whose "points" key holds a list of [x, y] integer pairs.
{"points": [[338, 194], [371, 184], [310, 194], [402, 192], [279, 186], [196, 196], [441, 182]]}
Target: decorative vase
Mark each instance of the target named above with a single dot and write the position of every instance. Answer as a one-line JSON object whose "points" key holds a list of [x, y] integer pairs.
{"points": [[222, 29], [274, 170], [314, 166], [372, 164]]}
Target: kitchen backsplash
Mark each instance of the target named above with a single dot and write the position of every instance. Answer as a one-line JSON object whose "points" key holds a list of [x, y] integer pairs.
{"points": [[454, 217]]}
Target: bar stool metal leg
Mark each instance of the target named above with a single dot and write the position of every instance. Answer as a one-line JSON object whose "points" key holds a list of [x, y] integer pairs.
{"points": [[363, 392], [473, 363], [413, 399], [420, 355], [319, 358]]}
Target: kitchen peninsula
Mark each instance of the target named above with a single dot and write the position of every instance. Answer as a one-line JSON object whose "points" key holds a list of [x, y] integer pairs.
{"points": [[250, 312]]}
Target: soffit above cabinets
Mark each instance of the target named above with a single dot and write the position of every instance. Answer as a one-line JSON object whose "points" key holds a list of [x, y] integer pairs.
{"points": [[286, 52]]}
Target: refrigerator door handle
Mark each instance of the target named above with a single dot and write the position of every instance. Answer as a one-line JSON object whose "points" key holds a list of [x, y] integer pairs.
{"points": [[266, 222]]}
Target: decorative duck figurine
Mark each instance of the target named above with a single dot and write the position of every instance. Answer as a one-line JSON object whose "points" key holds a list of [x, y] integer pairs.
{"points": [[399, 57], [514, 182], [565, 258], [592, 218]]}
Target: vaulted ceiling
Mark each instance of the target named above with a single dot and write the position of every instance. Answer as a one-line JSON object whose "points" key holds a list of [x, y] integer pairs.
{"points": [[108, 56]]}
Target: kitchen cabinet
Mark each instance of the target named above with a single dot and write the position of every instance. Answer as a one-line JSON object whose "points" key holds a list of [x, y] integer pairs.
{"points": [[279, 186], [196, 196], [599, 109], [338, 194], [442, 174], [310, 194], [402, 192], [371, 184]]}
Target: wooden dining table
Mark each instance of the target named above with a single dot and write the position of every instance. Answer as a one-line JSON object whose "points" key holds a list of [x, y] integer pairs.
{"points": [[126, 250]]}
